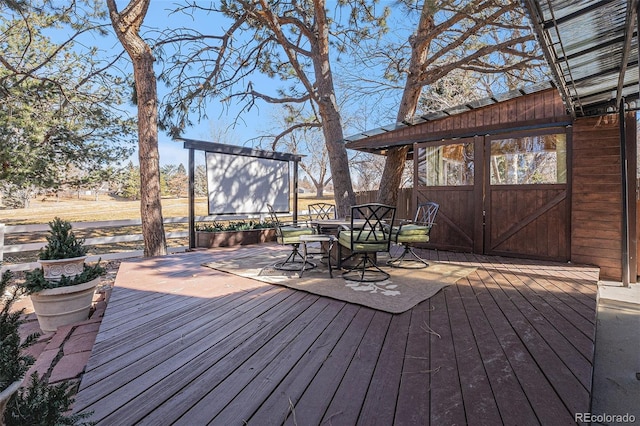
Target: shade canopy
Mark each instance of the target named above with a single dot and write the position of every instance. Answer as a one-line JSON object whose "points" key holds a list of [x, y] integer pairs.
{"points": [[592, 49]]}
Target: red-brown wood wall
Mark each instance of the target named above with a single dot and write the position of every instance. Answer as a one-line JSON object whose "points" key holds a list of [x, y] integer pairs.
{"points": [[596, 184], [541, 108], [596, 210]]}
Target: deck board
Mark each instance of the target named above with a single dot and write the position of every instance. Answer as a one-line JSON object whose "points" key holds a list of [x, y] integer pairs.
{"points": [[182, 344], [353, 388], [379, 403], [447, 406], [413, 396], [506, 388], [479, 402]]}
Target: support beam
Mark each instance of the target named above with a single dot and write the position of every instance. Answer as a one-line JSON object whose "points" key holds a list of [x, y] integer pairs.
{"points": [[625, 195], [626, 50], [192, 199]]}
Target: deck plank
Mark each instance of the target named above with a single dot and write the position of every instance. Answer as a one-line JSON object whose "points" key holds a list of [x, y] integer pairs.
{"points": [[128, 340], [506, 388], [358, 377], [477, 394], [415, 381], [166, 344], [380, 402], [313, 403], [180, 343], [248, 400], [541, 394], [209, 366], [222, 392], [447, 406], [148, 374], [543, 343], [279, 404]]}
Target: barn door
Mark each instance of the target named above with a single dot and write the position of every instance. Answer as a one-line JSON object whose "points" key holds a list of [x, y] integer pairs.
{"points": [[449, 172], [526, 196]]}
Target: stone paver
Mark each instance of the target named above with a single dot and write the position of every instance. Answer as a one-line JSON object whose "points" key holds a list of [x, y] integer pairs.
{"points": [[69, 367], [79, 343], [63, 354], [43, 363]]}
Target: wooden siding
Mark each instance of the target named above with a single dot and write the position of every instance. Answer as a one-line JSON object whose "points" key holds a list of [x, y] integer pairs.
{"points": [[596, 211], [183, 344], [536, 109]]}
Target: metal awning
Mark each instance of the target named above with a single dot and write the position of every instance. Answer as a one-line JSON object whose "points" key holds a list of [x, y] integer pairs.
{"points": [[592, 49]]}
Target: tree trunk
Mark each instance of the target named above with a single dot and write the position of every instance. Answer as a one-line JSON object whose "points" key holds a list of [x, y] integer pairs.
{"points": [[331, 121], [396, 157], [127, 25], [150, 201]]}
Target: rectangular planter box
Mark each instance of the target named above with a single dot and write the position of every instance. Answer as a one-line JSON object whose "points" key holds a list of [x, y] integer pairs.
{"points": [[234, 238]]}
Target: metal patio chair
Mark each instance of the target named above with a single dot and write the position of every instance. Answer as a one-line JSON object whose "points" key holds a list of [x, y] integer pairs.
{"points": [[289, 234], [322, 211], [414, 232], [365, 240]]}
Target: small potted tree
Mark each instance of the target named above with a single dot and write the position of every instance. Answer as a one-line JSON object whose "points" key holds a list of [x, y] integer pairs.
{"points": [[64, 254], [62, 294], [13, 362]]}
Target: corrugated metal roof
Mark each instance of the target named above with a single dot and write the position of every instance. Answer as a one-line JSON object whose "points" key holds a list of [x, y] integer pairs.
{"points": [[592, 48]]}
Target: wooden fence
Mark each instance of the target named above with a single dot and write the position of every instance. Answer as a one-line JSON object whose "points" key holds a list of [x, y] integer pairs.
{"points": [[403, 207]]}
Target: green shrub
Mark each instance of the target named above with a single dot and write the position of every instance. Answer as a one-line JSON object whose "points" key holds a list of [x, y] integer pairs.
{"points": [[13, 363], [43, 404], [35, 281], [240, 225], [62, 242]]}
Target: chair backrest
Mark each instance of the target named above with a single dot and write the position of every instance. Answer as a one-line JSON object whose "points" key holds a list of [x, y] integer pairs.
{"points": [[426, 213], [375, 230], [276, 222], [322, 211]]}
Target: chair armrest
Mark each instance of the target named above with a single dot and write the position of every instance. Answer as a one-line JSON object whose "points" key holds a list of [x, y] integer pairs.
{"points": [[343, 228]]}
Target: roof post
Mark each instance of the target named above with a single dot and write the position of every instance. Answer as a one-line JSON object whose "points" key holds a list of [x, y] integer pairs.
{"points": [[625, 193]]}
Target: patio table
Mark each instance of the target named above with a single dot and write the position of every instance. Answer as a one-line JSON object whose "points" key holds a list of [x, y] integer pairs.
{"points": [[330, 227]]}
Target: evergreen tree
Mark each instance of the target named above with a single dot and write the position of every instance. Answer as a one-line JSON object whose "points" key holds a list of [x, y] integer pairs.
{"points": [[131, 182], [59, 108]]}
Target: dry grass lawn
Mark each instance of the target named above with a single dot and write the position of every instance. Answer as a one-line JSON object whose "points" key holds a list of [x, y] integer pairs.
{"points": [[106, 208]]}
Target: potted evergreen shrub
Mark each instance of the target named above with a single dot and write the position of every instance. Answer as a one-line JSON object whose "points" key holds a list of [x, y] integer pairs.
{"points": [[64, 301], [13, 362], [62, 294], [64, 254], [217, 234]]}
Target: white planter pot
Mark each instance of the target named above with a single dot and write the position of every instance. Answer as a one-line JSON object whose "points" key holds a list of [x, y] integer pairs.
{"points": [[55, 269], [60, 306], [5, 396]]}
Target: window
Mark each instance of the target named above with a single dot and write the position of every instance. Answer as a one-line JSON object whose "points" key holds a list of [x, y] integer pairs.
{"points": [[446, 165], [529, 160]]}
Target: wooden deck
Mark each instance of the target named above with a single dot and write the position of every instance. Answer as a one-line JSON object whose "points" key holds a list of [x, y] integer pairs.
{"points": [[183, 344]]}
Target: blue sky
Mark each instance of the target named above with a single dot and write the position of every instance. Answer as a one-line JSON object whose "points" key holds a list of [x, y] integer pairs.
{"points": [[252, 123], [171, 151]]}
